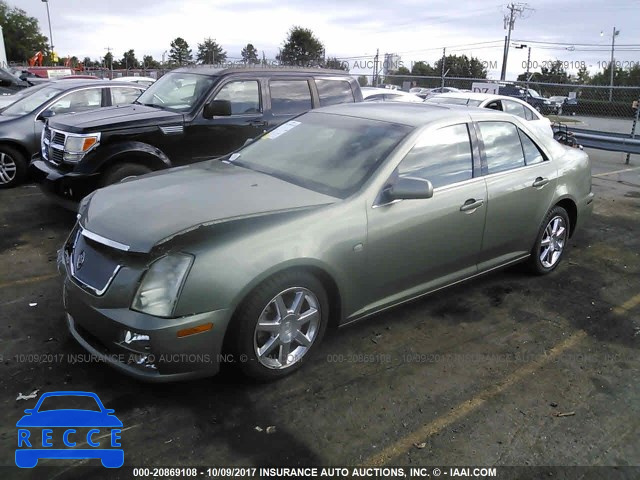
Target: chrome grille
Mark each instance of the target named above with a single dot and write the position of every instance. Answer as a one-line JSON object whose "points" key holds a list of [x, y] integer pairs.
{"points": [[53, 145]]}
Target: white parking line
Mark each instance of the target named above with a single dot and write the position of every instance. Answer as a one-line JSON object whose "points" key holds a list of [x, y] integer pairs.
{"points": [[615, 171]]}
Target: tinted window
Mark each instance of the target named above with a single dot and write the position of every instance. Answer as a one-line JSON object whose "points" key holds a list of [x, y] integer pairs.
{"points": [[290, 96], [501, 145], [124, 95], [78, 101], [442, 157], [513, 108], [532, 153], [244, 96], [332, 154], [377, 96], [495, 105], [334, 91]]}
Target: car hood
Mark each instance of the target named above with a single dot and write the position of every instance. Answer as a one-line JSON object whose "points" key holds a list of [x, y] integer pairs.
{"points": [[150, 210], [114, 118], [69, 418]]}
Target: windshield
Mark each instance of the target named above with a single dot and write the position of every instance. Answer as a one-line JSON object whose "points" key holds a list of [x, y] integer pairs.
{"points": [[29, 103], [177, 91], [331, 154]]}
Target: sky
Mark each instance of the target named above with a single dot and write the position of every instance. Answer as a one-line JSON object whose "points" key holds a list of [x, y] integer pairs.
{"points": [[351, 29]]}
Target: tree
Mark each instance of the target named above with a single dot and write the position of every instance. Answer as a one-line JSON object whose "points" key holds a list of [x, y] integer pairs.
{"points": [[129, 60], [180, 52], [363, 80], [250, 54], [87, 62], [210, 52], [301, 48], [22, 36], [149, 62], [108, 60], [461, 66], [394, 79], [336, 64], [583, 76]]}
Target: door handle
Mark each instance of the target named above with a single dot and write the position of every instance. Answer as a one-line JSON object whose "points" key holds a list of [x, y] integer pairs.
{"points": [[471, 204], [257, 123], [540, 182]]}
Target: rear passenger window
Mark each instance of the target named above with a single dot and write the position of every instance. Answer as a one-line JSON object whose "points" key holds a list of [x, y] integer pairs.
{"points": [[443, 157], [529, 115], [289, 97], [513, 108], [124, 95], [532, 153], [243, 95], [332, 92], [501, 146]]}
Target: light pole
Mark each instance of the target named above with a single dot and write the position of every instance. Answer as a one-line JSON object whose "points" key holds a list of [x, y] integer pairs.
{"points": [[50, 32], [528, 65], [614, 34]]}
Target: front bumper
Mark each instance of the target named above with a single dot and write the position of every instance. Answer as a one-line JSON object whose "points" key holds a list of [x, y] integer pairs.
{"points": [[159, 355], [66, 188]]}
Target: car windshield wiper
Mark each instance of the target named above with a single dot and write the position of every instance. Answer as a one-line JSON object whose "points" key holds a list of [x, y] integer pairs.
{"points": [[153, 105]]}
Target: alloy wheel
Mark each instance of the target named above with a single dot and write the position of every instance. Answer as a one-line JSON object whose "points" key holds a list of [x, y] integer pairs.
{"points": [[8, 168], [553, 241], [287, 328]]}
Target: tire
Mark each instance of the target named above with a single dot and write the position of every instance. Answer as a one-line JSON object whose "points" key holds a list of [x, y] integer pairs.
{"points": [[121, 171], [284, 351], [543, 260], [13, 167]]}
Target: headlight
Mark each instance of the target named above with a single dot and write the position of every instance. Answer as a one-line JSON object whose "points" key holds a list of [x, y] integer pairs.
{"points": [[76, 146], [158, 292]]}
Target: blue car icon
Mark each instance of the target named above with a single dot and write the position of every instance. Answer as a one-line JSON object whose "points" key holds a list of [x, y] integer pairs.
{"points": [[79, 433]]}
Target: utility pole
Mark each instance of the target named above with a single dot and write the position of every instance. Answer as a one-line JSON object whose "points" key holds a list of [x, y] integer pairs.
{"points": [[515, 10], [612, 64], [374, 79], [49, 19], [108, 49], [444, 59]]}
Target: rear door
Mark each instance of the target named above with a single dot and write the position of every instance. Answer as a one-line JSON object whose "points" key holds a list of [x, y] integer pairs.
{"points": [[521, 181], [288, 98]]}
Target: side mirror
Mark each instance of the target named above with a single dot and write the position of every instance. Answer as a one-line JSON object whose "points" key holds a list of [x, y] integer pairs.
{"points": [[46, 114], [410, 188], [217, 108]]}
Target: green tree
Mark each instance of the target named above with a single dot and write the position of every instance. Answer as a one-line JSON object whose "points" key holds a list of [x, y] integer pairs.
{"points": [[108, 60], [149, 62], [129, 60], [461, 66], [250, 54], [180, 53], [301, 48], [395, 77], [22, 36], [363, 80], [87, 62], [210, 52], [583, 77], [336, 64]]}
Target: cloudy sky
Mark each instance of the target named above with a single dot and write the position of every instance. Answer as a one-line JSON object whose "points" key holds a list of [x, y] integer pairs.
{"points": [[418, 30]]}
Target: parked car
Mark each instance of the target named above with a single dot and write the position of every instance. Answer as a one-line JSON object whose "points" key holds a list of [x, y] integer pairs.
{"points": [[333, 216], [27, 76], [386, 95], [21, 123], [6, 100], [497, 102], [437, 91], [532, 97], [420, 92], [188, 115], [146, 81], [10, 83]]}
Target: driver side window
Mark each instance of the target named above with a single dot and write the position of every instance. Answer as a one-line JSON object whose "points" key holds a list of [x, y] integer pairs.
{"points": [[244, 96], [443, 157], [79, 101]]}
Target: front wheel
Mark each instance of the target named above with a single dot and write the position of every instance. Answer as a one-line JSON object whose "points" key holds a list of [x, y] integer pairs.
{"points": [[123, 171], [551, 242], [13, 167], [280, 324]]}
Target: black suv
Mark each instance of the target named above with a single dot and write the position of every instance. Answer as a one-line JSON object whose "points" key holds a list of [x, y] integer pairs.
{"points": [[533, 98], [188, 115]]}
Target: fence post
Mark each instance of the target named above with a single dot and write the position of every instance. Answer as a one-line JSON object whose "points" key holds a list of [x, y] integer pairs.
{"points": [[444, 56], [633, 128]]}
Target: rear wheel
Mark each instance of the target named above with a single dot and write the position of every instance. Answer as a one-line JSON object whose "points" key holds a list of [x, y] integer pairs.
{"points": [[13, 167], [280, 324], [551, 243], [123, 171]]}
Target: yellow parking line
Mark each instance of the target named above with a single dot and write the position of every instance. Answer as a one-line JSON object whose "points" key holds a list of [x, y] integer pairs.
{"points": [[25, 281], [615, 171], [628, 305], [463, 409]]}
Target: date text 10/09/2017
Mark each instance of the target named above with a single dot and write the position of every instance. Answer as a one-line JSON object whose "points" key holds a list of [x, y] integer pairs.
{"points": [[578, 64]]}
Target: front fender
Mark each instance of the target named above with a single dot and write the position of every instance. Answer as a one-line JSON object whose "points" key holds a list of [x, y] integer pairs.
{"points": [[108, 154]]}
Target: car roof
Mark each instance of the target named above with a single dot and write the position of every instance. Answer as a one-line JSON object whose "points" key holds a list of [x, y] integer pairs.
{"points": [[478, 96], [375, 90], [411, 114], [78, 82], [257, 70]]}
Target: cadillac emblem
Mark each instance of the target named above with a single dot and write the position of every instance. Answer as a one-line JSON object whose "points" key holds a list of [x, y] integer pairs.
{"points": [[80, 260]]}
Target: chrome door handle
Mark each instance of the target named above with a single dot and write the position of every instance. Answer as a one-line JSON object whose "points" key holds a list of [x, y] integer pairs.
{"points": [[540, 182], [471, 205]]}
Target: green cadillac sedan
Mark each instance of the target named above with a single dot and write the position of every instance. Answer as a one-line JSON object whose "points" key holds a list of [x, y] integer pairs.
{"points": [[333, 216]]}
